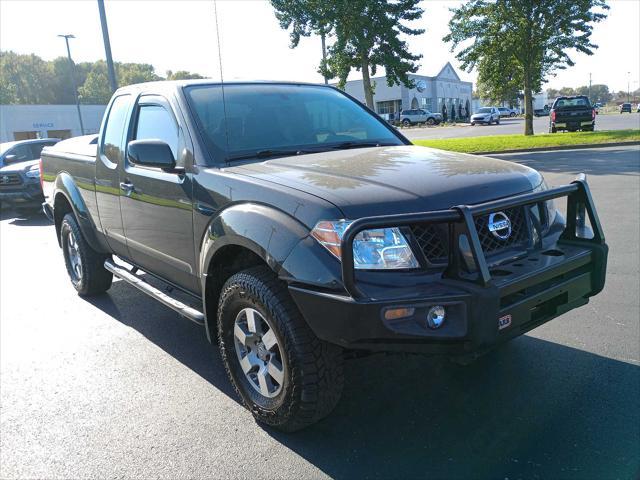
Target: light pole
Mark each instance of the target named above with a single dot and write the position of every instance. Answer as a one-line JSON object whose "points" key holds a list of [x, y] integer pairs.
{"points": [[628, 87], [72, 70], [107, 47], [589, 86]]}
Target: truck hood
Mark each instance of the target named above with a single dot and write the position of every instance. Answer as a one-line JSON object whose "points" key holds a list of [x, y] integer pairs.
{"points": [[18, 167], [398, 179]]}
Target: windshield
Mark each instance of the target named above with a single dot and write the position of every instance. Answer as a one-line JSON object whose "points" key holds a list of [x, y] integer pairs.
{"points": [[484, 110], [282, 119]]}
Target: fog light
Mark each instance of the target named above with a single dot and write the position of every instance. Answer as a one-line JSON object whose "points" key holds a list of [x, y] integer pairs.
{"points": [[435, 317]]}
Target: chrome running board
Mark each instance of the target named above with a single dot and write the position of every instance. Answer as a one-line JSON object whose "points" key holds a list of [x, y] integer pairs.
{"points": [[184, 310]]}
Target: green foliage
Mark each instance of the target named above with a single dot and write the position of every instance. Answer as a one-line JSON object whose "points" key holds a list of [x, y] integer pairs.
{"points": [[535, 36], [23, 79], [95, 89], [182, 75], [366, 34], [27, 79], [599, 92]]}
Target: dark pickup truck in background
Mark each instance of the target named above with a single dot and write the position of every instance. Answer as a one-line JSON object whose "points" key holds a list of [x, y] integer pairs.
{"points": [[572, 114], [297, 227], [20, 187]]}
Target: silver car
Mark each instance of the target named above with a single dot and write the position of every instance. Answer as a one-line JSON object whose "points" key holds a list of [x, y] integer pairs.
{"points": [[486, 115], [419, 115], [507, 112]]}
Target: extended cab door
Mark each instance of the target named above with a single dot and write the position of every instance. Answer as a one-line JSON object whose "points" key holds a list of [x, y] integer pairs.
{"points": [[156, 205]]}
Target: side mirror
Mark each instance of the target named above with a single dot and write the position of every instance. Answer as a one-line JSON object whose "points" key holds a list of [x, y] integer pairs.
{"points": [[10, 158], [151, 153]]}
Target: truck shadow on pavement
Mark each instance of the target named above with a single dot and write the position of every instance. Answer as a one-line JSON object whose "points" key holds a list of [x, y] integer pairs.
{"points": [[531, 409], [612, 161], [33, 219]]}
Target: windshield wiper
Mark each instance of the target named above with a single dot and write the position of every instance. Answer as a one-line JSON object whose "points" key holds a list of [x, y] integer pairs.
{"points": [[268, 154], [346, 145]]}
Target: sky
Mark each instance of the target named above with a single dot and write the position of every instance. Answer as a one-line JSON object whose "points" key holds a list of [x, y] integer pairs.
{"points": [[181, 35]]}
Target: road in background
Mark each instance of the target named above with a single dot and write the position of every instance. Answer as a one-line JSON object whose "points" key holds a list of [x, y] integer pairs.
{"points": [[121, 386], [510, 126]]}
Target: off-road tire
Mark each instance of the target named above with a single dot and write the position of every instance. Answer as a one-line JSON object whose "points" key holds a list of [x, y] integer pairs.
{"points": [[431, 121], [314, 374], [406, 122], [95, 279]]}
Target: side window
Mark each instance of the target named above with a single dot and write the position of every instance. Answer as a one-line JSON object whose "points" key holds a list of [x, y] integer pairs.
{"points": [[112, 141], [36, 149], [22, 153], [156, 123]]}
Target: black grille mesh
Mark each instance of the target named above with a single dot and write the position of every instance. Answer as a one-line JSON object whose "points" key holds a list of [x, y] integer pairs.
{"points": [[490, 243], [434, 238], [10, 179]]}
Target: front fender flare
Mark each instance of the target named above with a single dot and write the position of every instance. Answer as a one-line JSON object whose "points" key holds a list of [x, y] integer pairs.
{"points": [[267, 232]]}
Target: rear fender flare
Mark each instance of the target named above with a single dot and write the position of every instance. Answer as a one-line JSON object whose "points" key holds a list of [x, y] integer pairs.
{"points": [[66, 186]]}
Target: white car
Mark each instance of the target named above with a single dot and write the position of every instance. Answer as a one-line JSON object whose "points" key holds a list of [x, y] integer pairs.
{"points": [[486, 115]]}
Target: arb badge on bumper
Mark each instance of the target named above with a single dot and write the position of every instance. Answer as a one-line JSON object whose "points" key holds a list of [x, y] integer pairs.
{"points": [[504, 322]]}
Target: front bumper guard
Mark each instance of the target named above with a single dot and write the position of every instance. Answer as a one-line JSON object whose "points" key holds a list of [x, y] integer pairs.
{"points": [[537, 288]]}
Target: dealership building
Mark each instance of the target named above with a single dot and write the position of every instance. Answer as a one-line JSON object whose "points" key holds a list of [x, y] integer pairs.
{"points": [[21, 122], [429, 93]]}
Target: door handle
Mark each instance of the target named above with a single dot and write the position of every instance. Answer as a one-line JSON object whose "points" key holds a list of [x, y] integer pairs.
{"points": [[127, 188]]}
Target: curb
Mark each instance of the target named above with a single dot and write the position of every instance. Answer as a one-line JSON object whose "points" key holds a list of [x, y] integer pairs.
{"points": [[561, 147]]}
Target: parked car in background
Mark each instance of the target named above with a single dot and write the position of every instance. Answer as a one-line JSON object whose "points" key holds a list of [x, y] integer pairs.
{"points": [[638, 108], [20, 173], [625, 107], [541, 112], [507, 112], [486, 115], [307, 234], [572, 113], [420, 115]]}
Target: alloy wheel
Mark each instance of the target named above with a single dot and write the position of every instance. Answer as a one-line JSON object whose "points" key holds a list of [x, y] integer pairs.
{"points": [[259, 352], [74, 257]]}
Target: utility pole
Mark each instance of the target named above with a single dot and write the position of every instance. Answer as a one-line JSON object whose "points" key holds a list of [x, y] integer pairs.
{"points": [[72, 70], [628, 87], [589, 86], [107, 47]]}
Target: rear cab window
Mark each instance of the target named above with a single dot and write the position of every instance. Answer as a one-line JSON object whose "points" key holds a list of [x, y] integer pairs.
{"points": [[111, 147], [582, 102]]}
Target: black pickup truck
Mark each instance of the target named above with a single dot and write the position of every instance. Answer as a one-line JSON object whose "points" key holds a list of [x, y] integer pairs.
{"points": [[300, 229], [572, 114]]}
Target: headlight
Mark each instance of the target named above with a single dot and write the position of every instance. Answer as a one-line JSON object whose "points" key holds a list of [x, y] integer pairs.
{"points": [[34, 172], [550, 205], [379, 249]]}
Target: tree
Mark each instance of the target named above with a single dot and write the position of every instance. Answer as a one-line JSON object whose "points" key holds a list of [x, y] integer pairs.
{"points": [[499, 82], [24, 79], [182, 75], [28, 79], [534, 35], [96, 89], [366, 35]]}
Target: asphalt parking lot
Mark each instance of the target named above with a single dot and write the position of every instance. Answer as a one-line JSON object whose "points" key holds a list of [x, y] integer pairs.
{"points": [[510, 126], [120, 386]]}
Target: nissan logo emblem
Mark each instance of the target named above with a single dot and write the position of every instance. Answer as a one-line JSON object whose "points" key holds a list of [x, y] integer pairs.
{"points": [[500, 225]]}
